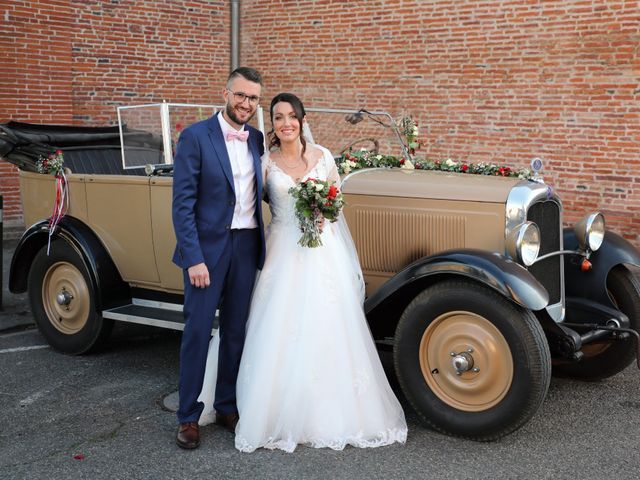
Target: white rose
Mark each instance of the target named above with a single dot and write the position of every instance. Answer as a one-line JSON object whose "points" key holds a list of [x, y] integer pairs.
{"points": [[378, 157], [346, 169], [408, 165], [319, 187], [450, 163]]}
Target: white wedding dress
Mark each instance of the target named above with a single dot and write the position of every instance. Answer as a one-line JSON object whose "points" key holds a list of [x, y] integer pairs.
{"points": [[310, 373]]}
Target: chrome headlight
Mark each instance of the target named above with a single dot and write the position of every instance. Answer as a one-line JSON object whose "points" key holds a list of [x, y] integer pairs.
{"points": [[523, 243], [590, 231]]}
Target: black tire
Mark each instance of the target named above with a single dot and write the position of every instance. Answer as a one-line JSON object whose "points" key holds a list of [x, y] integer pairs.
{"points": [[605, 358], [508, 346], [75, 326]]}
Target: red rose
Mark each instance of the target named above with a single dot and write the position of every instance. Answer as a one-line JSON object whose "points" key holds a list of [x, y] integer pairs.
{"points": [[179, 127], [464, 168], [402, 161], [333, 191], [58, 152]]}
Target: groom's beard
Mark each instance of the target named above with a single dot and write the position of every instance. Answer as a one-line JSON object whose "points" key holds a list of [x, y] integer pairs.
{"points": [[232, 115]]}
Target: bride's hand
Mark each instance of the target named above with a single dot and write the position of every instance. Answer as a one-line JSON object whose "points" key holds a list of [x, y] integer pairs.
{"points": [[199, 275], [320, 223]]}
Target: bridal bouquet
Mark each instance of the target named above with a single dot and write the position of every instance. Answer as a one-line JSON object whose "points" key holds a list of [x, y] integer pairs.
{"points": [[315, 199]]}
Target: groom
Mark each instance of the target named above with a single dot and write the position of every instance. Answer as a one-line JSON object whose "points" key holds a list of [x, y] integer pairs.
{"points": [[217, 217]]}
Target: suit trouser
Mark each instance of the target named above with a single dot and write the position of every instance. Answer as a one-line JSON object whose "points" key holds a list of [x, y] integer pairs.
{"points": [[232, 280]]}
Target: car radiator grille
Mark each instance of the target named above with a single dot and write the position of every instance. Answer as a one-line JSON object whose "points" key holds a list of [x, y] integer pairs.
{"points": [[547, 216]]}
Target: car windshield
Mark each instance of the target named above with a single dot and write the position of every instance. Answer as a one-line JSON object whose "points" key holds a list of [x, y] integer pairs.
{"points": [[344, 131]]}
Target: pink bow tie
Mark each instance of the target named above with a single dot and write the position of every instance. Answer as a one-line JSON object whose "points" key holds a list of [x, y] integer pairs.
{"points": [[233, 135]]}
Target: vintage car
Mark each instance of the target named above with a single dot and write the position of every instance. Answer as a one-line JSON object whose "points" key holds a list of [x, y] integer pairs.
{"points": [[471, 279]]}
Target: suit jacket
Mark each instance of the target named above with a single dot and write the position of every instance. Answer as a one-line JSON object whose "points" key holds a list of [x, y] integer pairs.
{"points": [[203, 193]]}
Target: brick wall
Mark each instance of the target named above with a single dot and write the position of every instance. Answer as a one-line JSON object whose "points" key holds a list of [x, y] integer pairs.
{"points": [[74, 61], [487, 80], [36, 83]]}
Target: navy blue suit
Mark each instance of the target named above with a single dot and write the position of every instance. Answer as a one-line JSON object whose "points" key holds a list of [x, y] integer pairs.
{"points": [[203, 206]]}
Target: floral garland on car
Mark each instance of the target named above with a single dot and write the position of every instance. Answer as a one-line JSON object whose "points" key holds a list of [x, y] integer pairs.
{"points": [[351, 161], [407, 127], [54, 165]]}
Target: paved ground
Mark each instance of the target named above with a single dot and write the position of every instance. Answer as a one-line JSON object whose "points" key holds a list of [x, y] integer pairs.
{"points": [[101, 416]]}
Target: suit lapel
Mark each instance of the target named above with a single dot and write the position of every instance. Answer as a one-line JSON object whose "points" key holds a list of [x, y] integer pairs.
{"points": [[215, 134], [257, 165]]}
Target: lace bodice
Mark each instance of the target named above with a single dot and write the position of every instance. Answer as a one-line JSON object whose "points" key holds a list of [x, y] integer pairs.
{"points": [[278, 183]]}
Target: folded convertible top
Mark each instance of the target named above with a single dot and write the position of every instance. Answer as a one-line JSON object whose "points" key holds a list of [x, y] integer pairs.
{"points": [[24, 143]]}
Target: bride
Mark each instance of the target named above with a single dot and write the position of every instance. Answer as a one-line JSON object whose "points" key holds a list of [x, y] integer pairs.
{"points": [[310, 373]]}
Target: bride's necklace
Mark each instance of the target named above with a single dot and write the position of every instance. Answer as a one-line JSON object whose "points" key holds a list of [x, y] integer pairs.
{"points": [[296, 162]]}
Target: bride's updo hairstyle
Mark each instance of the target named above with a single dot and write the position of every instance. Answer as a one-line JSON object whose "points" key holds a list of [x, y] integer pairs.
{"points": [[298, 109]]}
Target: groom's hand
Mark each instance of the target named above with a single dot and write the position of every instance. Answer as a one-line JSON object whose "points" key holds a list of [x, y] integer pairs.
{"points": [[199, 275]]}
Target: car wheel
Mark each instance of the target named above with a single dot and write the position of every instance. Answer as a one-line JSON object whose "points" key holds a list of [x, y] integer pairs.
{"points": [[470, 362], [63, 300], [605, 358]]}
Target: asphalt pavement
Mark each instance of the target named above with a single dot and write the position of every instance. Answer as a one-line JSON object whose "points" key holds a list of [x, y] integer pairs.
{"points": [[103, 416]]}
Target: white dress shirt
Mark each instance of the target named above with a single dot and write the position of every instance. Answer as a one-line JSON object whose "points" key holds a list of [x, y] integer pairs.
{"points": [[244, 182]]}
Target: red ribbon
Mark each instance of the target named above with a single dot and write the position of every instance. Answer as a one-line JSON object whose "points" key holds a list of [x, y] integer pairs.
{"points": [[60, 205]]}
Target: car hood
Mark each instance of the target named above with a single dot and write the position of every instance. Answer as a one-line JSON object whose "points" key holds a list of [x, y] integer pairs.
{"points": [[398, 182]]}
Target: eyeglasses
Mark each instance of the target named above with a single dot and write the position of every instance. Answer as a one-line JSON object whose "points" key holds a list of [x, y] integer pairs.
{"points": [[240, 97]]}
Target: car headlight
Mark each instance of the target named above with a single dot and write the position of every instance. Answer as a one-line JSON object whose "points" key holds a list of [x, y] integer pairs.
{"points": [[590, 231], [523, 243]]}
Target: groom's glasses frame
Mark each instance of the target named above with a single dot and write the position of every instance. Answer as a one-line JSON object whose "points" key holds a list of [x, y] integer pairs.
{"points": [[240, 97]]}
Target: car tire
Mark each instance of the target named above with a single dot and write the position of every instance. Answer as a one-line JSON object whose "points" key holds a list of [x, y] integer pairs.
{"points": [[63, 300], [604, 359], [505, 342]]}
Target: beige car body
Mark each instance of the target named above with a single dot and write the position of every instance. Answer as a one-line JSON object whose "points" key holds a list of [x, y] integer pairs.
{"points": [[395, 218]]}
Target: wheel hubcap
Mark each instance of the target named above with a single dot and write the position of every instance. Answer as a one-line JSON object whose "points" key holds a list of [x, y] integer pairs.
{"points": [[466, 361], [462, 362], [65, 298]]}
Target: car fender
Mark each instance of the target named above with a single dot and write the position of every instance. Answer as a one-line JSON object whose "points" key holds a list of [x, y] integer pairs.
{"points": [[508, 278], [105, 278], [592, 284]]}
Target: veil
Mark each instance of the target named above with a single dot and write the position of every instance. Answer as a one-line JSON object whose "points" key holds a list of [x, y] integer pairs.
{"points": [[341, 230], [306, 132], [340, 227]]}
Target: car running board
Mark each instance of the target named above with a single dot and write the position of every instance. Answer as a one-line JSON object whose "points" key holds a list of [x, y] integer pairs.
{"points": [[149, 312]]}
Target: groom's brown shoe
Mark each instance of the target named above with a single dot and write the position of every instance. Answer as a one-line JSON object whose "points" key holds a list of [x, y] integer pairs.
{"points": [[188, 435], [228, 420]]}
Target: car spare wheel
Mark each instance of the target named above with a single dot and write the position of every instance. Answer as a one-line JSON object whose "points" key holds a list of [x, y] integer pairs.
{"points": [[472, 363], [63, 300]]}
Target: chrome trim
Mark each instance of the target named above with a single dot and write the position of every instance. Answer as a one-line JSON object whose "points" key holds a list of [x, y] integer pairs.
{"points": [[560, 252], [355, 172], [176, 307], [154, 322], [520, 199]]}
